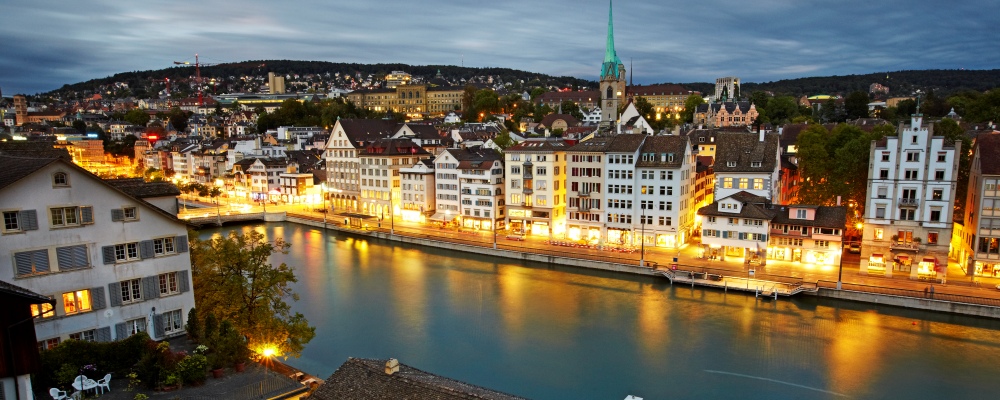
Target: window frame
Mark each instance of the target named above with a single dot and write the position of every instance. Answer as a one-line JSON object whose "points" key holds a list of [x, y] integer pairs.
{"points": [[77, 302], [56, 177], [131, 291]]}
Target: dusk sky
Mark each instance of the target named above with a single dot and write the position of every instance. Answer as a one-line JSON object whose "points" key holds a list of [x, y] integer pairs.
{"points": [[51, 43]]}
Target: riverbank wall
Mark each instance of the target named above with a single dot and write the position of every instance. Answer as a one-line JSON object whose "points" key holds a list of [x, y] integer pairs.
{"points": [[849, 295]]}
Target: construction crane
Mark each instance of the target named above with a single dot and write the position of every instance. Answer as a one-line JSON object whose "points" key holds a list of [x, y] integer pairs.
{"points": [[197, 74]]}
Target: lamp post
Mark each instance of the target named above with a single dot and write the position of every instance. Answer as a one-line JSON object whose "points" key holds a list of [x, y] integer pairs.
{"points": [[322, 189], [642, 237], [392, 218]]}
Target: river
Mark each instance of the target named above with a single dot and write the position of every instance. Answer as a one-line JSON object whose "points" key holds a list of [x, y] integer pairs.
{"points": [[549, 332]]}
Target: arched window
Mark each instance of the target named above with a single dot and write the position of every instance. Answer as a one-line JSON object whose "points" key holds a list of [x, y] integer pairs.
{"points": [[60, 179], [610, 93]]}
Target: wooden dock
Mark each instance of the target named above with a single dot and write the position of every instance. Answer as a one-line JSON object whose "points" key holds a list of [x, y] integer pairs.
{"points": [[759, 287]]}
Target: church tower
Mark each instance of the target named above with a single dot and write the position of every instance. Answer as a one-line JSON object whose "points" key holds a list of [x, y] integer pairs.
{"points": [[612, 78]]}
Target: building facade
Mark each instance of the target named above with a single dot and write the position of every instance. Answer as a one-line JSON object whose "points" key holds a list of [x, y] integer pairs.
{"points": [[978, 246], [536, 187]]}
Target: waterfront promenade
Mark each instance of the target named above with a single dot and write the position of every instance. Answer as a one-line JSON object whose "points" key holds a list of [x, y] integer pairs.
{"points": [[958, 288]]}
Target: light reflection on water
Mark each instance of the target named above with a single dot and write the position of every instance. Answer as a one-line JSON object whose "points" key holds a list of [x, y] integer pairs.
{"points": [[549, 332]]}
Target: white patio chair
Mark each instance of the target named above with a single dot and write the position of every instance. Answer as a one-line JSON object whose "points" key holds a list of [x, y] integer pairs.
{"points": [[104, 383], [83, 383], [58, 394]]}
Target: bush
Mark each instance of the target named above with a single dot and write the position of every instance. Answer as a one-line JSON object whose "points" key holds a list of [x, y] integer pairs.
{"points": [[192, 369], [231, 346], [211, 330], [193, 326], [157, 365], [69, 357]]}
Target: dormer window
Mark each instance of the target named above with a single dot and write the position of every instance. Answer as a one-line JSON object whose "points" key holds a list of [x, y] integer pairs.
{"points": [[800, 214], [755, 164], [60, 179], [731, 164]]}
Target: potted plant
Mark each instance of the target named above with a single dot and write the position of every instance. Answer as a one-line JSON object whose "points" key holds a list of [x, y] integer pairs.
{"points": [[171, 382], [895, 238], [917, 240]]}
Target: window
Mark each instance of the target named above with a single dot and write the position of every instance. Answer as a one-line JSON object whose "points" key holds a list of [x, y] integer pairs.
{"points": [[879, 234], [937, 194], [127, 251], [755, 164], [907, 215], [72, 257], [882, 192], [64, 216], [727, 183], [883, 174], [912, 156], [942, 157], [168, 284], [935, 215], [76, 302], [744, 183], [130, 213], [48, 344], [86, 336], [31, 262], [131, 290], [163, 246], [10, 222], [910, 174], [880, 212], [932, 237], [44, 310], [60, 179], [939, 175], [172, 321], [801, 214], [885, 156], [731, 164], [822, 243], [541, 171], [134, 326], [758, 184]]}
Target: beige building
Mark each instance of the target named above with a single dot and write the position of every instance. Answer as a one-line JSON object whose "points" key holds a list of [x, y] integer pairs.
{"points": [[536, 187], [414, 100]]}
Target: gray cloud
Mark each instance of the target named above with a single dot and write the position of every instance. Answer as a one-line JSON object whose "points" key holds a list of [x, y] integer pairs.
{"points": [[51, 43]]}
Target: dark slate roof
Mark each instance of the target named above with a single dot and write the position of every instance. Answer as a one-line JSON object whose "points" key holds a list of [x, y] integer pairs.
{"points": [[626, 143], [32, 297], [538, 146], [754, 206], [424, 131], [597, 144], [988, 147], [745, 149], [365, 379], [33, 149], [367, 130], [660, 145], [16, 168], [139, 188], [476, 158], [826, 216], [392, 147], [548, 120]]}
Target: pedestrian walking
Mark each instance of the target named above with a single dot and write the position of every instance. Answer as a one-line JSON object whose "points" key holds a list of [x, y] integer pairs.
{"points": [[932, 291]]}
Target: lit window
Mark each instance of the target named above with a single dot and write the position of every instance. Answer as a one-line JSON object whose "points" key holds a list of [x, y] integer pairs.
{"points": [[44, 310], [879, 233], [76, 302], [48, 344]]}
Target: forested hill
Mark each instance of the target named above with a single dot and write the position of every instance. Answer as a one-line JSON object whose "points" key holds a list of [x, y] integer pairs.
{"points": [[322, 70], [901, 83]]}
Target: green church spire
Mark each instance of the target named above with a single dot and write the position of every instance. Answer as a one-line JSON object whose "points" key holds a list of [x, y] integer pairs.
{"points": [[611, 60]]}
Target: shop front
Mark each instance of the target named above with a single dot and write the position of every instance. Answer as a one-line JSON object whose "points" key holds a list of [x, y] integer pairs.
{"points": [[586, 234], [988, 269], [929, 269], [903, 264], [619, 237], [876, 265], [819, 257]]}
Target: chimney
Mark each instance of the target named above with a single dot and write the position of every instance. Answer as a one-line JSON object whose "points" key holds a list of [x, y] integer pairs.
{"points": [[838, 201], [391, 366], [761, 135]]}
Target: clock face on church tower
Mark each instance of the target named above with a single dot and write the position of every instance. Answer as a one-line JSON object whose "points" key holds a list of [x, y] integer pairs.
{"points": [[609, 103]]}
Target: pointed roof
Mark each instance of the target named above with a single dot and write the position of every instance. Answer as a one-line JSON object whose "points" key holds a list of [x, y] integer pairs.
{"points": [[611, 60]]}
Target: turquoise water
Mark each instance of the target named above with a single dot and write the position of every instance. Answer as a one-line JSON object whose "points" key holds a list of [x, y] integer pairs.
{"points": [[548, 332]]}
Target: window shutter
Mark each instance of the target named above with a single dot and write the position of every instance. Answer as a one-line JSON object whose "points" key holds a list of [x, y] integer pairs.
{"points": [[31, 262], [725, 234], [121, 329], [146, 249], [28, 220], [22, 263], [763, 238], [115, 294], [117, 215], [150, 287], [158, 325], [182, 281], [97, 299], [109, 254], [87, 215], [103, 334], [181, 244], [72, 257]]}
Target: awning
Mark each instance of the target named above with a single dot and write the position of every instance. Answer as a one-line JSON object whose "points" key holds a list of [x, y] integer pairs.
{"points": [[903, 258], [443, 217]]}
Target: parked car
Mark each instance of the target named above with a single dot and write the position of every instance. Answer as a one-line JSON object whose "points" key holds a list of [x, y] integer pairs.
{"points": [[854, 248]]}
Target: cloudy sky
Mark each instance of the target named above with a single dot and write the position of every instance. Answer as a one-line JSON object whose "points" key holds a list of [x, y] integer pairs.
{"points": [[50, 43]]}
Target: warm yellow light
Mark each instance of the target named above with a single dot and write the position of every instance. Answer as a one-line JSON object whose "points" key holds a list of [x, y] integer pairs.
{"points": [[267, 352], [859, 225]]}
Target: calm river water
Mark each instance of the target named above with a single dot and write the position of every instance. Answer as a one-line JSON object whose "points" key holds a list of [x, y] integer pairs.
{"points": [[547, 332]]}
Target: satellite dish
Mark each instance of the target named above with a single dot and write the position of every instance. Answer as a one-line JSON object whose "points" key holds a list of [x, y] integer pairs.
{"points": [[108, 313]]}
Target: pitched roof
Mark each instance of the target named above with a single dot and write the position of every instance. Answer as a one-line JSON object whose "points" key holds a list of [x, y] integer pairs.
{"points": [[597, 144], [745, 149], [988, 147], [33, 149], [662, 145], [826, 216], [754, 206], [16, 168], [366, 379], [578, 96], [538, 146], [367, 130], [476, 157], [550, 119], [32, 297], [392, 147], [139, 188]]}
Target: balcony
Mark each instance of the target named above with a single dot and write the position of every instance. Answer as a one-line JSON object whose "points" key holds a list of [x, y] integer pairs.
{"points": [[584, 193], [527, 190], [912, 246], [908, 202]]}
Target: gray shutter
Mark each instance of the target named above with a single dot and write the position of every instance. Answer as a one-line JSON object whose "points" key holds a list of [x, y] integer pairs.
{"points": [[97, 299], [117, 215], [103, 334], [150, 287], [109, 254], [115, 294], [87, 215], [158, 325], [146, 249], [181, 244], [72, 257], [121, 329], [31, 262], [182, 281], [28, 219]]}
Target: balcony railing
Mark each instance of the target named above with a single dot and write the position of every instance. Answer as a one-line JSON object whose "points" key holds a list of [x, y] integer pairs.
{"points": [[908, 202], [904, 246], [584, 193]]}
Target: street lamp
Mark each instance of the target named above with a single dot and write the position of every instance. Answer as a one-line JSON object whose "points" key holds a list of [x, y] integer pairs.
{"points": [[322, 188], [642, 237]]}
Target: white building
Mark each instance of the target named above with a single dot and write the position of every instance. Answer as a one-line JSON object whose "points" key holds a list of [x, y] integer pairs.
{"points": [[480, 185], [665, 171], [114, 264], [747, 162], [381, 161], [908, 215], [343, 166], [978, 246]]}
